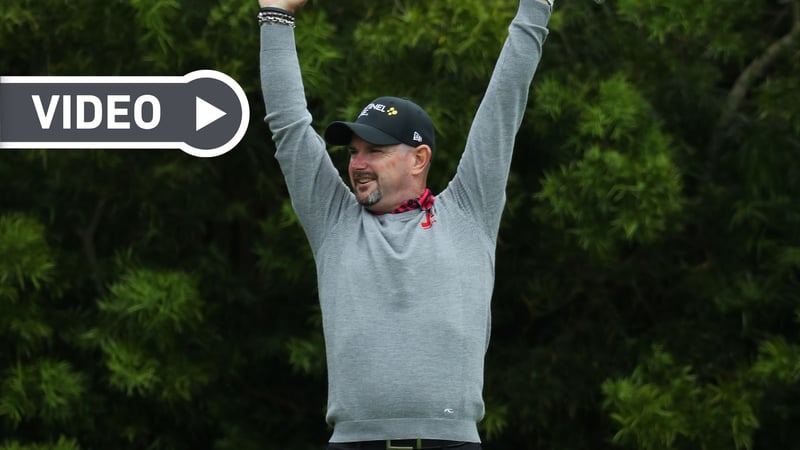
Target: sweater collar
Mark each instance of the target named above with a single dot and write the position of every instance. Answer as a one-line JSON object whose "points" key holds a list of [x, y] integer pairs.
{"points": [[424, 202]]}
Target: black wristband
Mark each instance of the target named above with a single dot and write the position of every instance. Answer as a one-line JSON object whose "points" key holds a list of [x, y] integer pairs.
{"points": [[276, 10]]}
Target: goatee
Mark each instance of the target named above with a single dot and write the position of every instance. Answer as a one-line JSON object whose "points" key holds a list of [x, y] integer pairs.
{"points": [[373, 198]]}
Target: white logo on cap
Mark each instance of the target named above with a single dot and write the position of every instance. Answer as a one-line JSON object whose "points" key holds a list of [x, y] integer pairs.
{"points": [[375, 106], [417, 137]]}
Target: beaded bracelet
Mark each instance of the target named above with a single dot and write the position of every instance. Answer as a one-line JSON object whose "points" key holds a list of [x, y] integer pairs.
{"points": [[275, 16]]}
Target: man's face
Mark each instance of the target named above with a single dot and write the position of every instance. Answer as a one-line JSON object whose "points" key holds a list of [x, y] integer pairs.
{"points": [[379, 174]]}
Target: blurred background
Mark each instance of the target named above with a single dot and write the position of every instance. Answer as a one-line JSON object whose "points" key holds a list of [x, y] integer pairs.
{"points": [[648, 265]]}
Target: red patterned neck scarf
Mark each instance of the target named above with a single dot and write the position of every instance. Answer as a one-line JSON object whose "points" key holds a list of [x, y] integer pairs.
{"points": [[424, 202]]}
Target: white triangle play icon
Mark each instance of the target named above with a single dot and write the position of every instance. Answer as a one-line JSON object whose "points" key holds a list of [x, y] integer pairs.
{"points": [[205, 114]]}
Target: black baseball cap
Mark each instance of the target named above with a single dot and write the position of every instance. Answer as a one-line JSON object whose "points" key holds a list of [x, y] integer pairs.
{"points": [[386, 121]]}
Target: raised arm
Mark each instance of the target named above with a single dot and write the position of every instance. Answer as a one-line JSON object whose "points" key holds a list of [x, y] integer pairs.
{"points": [[482, 174], [316, 189]]}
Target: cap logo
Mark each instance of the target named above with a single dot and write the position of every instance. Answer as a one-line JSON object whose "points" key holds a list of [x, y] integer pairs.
{"points": [[392, 111], [417, 137], [371, 106]]}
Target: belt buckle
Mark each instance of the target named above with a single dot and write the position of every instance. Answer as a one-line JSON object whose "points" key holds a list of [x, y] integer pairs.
{"points": [[389, 446]]}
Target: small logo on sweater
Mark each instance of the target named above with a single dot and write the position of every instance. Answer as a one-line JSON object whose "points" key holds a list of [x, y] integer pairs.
{"points": [[428, 222], [449, 411]]}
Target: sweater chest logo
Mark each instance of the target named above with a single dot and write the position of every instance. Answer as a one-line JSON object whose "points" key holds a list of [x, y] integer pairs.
{"points": [[428, 221]]}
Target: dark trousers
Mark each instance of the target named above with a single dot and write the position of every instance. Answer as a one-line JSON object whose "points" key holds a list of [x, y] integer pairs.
{"points": [[426, 445]]}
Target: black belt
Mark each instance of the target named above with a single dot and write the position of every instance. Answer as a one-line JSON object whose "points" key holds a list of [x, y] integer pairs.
{"points": [[400, 444]]}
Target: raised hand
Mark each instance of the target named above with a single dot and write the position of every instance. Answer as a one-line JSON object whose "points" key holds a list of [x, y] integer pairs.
{"points": [[289, 5]]}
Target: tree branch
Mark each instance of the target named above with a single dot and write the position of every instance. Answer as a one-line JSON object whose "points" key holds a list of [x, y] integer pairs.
{"points": [[751, 74], [87, 238]]}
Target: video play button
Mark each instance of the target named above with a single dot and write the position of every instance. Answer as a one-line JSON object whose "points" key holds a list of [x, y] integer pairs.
{"points": [[206, 114], [124, 112]]}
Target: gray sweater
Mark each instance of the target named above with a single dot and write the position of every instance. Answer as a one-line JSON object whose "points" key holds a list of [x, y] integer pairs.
{"points": [[406, 309]]}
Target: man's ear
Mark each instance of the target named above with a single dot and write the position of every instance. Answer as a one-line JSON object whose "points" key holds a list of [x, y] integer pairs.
{"points": [[421, 159]]}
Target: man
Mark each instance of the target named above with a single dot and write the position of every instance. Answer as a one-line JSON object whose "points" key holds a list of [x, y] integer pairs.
{"points": [[405, 277]]}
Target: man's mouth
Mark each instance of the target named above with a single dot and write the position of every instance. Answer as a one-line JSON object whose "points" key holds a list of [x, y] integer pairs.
{"points": [[361, 179]]}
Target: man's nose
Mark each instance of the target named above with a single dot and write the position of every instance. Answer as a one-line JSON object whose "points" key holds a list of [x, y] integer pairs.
{"points": [[357, 161]]}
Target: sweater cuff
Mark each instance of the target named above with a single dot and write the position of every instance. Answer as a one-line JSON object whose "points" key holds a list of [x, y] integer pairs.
{"points": [[277, 37]]}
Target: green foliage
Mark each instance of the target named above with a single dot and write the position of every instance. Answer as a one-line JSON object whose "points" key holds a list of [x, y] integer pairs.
{"points": [[626, 186], [662, 403], [496, 420], [25, 262], [715, 25], [778, 361], [307, 355], [160, 303], [62, 444], [648, 271], [148, 321], [24, 254], [47, 390]]}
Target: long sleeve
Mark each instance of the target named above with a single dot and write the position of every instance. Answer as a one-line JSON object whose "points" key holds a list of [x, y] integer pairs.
{"points": [[317, 191], [480, 181]]}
